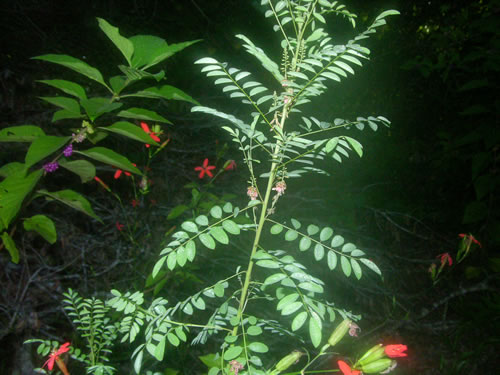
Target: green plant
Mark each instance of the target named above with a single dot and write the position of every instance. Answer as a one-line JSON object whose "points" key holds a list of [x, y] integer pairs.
{"points": [[277, 136], [89, 119]]}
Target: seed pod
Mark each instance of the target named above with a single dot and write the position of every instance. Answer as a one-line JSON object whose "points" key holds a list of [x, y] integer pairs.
{"points": [[377, 366], [287, 361], [339, 332], [372, 355]]}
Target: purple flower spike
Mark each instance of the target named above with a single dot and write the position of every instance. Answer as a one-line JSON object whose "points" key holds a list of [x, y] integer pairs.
{"points": [[51, 167], [68, 151]]}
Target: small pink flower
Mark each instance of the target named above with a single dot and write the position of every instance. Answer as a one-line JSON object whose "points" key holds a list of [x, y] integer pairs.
{"points": [[354, 329], [205, 168], [55, 355], [231, 165], [280, 187], [236, 366], [445, 257], [470, 238], [252, 193]]}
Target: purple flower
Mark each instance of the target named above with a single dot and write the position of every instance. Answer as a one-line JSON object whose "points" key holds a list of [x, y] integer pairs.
{"points": [[51, 167], [68, 150]]}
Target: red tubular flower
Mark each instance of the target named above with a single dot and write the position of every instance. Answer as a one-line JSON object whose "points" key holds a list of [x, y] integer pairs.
{"points": [[394, 351], [134, 203], [102, 183], [205, 168], [54, 356], [470, 238], [346, 369], [153, 135], [444, 258], [119, 226], [230, 165]]}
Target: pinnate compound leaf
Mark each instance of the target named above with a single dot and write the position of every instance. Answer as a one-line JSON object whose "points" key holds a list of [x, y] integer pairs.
{"points": [[258, 347], [368, 263], [232, 353], [277, 277], [332, 260], [315, 331], [216, 212], [276, 229], [299, 320], [356, 268], [231, 227], [325, 234], [43, 226]]}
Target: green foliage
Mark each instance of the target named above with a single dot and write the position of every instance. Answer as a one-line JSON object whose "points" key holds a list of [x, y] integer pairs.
{"points": [[90, 118]]}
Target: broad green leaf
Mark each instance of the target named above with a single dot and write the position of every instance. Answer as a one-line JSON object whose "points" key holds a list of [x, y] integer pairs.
{"points": [[216, 212], [43, 226], [138, 362], [325, 234], [131, 131], [368, 263], [70, 88], [305, 243], [277, 277], [202, 220], [11, 168], [356, 268], [123, 44], [64, 114], [110, 157], [142, 114], [21, 133], [207, 240], [82, 168], [189, 226], [346, 265], [95, 107], [13, 191], [386, 13], [231, 227], [151, 50], [209, 360], [165, 92], [299, 320], [319, 252], [10, 245], [315, 331], [232, 353], [219, 234], [276, 229], [44, 146], [285, 301], [254, 330], [75, 64], [332, 260], [73, 200], [291, 235], [258, 347], [177, 211], [337, 241]]}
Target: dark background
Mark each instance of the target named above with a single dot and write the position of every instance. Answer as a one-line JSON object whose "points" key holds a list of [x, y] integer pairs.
{"points": [[432, 175]]}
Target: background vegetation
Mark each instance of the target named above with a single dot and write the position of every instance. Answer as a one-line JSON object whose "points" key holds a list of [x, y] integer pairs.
{"points": [[430, 177]]}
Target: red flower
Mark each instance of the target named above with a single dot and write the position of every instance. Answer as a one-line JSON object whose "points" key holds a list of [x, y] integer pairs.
{"points": [[153, 135], [445, 257], [55, 355], [134, 203], [394, 351], [119, 172], [119, 226], [205, 169], [230, 165], [470, 238], [346, 369]]}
